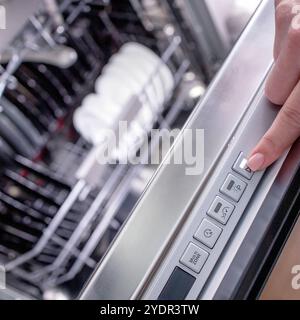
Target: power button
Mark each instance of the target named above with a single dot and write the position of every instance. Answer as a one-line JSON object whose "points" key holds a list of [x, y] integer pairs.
{"points": [[241, 167]]}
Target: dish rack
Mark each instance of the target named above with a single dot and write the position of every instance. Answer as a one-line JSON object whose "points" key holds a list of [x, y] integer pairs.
{"points": [[55, 228]]}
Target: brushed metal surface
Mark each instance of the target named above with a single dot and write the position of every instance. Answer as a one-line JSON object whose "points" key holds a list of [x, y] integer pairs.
{"points": [[251, 234], [259, 118], [169, 195]]}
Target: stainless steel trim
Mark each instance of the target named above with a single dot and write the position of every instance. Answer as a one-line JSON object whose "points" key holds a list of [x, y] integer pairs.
{"points": [[250, 214], [159, 213], [259, 116], [264, 207]]}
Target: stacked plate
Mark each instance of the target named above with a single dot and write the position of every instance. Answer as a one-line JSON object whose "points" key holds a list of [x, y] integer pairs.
{"points": [[137, 74]]}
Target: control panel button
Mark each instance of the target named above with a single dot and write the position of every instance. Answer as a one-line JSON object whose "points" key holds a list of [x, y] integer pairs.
{"points": [[208, 233], [241, 167], [221, 210], [233, 187], [194, 258]]}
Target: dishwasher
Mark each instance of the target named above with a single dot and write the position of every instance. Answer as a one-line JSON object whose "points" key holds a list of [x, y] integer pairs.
{"points": [[71, 227]]}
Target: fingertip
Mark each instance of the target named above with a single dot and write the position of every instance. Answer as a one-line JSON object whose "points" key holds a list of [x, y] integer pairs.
{"points": [[256, 162], [264, 154]]}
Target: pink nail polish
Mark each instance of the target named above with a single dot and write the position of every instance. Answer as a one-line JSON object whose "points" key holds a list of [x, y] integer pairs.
{"points": [[256, 162]]}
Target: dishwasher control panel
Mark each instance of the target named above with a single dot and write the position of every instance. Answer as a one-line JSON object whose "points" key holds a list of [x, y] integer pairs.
{"points": [[229, 201], [218, 220], [203, 239], [220, 212]]}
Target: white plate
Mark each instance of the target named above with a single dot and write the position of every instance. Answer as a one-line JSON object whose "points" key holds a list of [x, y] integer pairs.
{"points": [[134, 86], [122, 79], [102, 106], [142, 72], [112, 86], [134, 82], [141, 50], [89, 126], [123, 82], [154, 77]]}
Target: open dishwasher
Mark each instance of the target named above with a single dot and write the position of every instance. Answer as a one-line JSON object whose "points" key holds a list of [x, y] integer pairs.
{"points": [[60, 209], [69, 224], [215, 235]]}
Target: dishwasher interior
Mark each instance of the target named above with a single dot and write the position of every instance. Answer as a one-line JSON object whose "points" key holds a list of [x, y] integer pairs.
{"points": [[58, 220]]}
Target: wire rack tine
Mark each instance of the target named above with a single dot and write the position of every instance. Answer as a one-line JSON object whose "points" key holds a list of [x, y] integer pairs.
{"points": [[51, 228], [90, 214]]}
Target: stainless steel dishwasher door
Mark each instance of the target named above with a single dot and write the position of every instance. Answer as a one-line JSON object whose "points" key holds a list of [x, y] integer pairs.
{"points": [[142, 258]]}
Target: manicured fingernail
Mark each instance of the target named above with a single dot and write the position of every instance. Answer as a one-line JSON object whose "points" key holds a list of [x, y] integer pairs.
{"points": [[256, 162]]}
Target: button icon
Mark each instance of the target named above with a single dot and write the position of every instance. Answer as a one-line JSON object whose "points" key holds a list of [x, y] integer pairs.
{"points": [[218, 207], [221, 210], [208, 233], [248, 170], [238, 188], [244, 166], [225, 212], [194, 258], [233, 187], [241, 167]]}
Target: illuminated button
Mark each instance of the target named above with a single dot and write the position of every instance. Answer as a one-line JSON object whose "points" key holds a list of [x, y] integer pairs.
{"points": [[221, 210], [208, 233], [194, 258], [233, 187], [241, 167]]}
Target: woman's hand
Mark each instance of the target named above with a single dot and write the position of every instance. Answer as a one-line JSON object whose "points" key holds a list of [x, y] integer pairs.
{"points": [[282, 88]]}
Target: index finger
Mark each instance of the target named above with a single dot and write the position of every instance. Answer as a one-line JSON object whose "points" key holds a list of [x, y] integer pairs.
{"points": [[283, 133]]}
